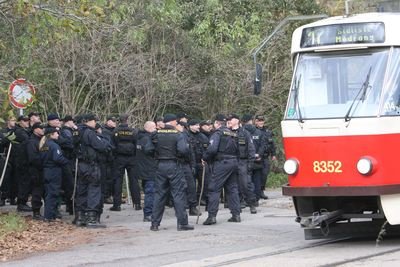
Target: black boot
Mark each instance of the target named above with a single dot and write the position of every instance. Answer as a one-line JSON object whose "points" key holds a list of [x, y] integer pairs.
{"points": [[154, 227], [253, 209], [193, 211], [210, 221], [24, 208], [137, 206], [80, 219], [115, 208], [234, 218], [37, 216], [185, 227], [92, 220], [2, 202], [263, 195]]}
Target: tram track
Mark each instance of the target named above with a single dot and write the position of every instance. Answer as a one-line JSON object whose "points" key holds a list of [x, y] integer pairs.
{"points": [[280, 252], [339, 263]]}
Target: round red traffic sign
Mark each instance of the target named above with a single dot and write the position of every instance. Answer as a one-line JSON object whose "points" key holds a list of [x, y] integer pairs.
{"points": [[21, 93]]}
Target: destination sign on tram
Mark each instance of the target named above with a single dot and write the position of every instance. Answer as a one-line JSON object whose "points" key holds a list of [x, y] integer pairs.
{"points": [[338, 34]]}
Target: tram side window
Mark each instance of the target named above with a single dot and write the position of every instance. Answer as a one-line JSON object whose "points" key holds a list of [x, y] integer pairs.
{"points": [[391, 105]]}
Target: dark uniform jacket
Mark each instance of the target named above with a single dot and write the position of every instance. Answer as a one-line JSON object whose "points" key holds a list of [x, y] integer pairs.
{"points": [[223, 144], [52, 155], [124, 140], [170, 144], [91, 145], [146, 164]]}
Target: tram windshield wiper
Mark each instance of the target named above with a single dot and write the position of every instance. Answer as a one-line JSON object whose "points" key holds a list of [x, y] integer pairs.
{"points": [[360, 95], [296, 99]]}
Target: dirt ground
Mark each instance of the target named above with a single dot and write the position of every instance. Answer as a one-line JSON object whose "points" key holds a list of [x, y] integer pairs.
{"points": [[41, 237]]}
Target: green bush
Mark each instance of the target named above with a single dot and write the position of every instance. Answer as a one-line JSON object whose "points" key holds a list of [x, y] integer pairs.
{"points": [[276, 180]]}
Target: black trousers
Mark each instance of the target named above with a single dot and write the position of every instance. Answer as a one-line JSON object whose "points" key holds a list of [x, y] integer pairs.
{"points": [[24, 184], [37, 188], [191, 185], [123, 163], [170, 178], [52, 183], [224, 175], [265, 171], [88, 188], [246, 186]]}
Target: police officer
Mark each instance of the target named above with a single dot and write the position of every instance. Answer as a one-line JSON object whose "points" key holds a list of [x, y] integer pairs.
{"points": [[222, 152], [22, 133], [199, 143], [169, 145], [188, 165], [35, 169], [269, 152], [9, 187], [247, 153], [260, 141], [146, 166], [108, 177], [66, 142], [52, 160], [88, 191], [125, 150]]}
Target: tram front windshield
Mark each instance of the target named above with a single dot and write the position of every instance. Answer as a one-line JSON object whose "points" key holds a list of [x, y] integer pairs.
{"points": [[344, 85]]}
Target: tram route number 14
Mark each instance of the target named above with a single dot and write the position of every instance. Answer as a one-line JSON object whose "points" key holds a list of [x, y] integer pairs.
{"points": [[329, 166]]}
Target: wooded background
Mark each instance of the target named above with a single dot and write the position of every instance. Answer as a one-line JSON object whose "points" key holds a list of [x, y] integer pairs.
{"points": [[148, 57]]}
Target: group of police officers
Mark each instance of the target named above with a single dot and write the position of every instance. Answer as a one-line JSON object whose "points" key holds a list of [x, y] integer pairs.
{"points": [[81, 163]]}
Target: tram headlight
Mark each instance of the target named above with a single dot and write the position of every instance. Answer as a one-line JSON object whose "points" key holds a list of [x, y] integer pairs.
{"points": [[291, 166], [364, 166]]}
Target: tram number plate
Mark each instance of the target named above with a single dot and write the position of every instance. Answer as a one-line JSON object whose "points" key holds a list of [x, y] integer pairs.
{"points": [[330, 166]]}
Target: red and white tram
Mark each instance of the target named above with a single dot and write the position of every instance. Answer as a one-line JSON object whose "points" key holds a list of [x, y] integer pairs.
{"points": [[341, 130]]}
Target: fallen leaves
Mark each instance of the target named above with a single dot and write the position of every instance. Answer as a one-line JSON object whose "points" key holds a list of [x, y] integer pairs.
{"points": [[39, 236]]}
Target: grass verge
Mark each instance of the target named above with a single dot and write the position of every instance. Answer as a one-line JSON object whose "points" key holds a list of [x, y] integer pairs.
{"points": [[276, 180], [11, 222]]}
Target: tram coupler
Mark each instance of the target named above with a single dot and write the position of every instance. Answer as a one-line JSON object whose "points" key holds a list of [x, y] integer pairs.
{"points": [[322, 219]]}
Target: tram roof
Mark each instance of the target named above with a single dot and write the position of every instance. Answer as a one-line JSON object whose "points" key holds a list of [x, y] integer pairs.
{"points": [[390, 20]]}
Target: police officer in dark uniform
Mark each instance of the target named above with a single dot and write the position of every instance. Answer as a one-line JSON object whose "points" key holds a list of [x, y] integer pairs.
{"points": [[124, 139], [52, 160], [108, 177], [199, 142], [269, 152], [260, 142], [188, 165], [9, 187], [169, 146], [35, 169], [222, 152], [247, 153], [66, 142], [146, 166], [88, 191], [21, 162]]}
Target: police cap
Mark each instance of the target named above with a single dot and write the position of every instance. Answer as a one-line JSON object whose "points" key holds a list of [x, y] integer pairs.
{"points": [[23, 118], [111, 118], [37, 125], [232, 116], [181, 115], [259, 117], [52, 116], [205, 122], [34, 113], [68, 118], [50, 130], [193, 122], [90, 117], [220, 117], [169, 117], [247, 117]]}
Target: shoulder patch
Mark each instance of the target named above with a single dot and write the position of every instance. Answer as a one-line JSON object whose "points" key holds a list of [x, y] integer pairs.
{"points": [[167, 131]]}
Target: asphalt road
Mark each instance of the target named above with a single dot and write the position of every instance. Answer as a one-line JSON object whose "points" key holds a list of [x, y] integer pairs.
{"points": [[268, 238]]}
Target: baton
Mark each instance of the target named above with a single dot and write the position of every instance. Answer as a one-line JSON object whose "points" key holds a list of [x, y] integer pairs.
{"points": [[127, 188], [5, 164], [201, 192], [75, 181]]}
